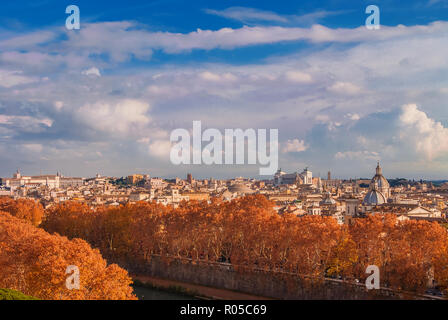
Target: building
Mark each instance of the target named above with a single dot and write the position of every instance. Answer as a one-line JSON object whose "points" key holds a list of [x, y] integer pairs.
{"points": [[197, 196], [155, 183], [190, 178], [51, 181], [135, 178], [379, 189], [281, 178], [329, 183]]}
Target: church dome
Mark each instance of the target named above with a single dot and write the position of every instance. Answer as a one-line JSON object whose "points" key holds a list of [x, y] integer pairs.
{"points": [[374, 197], [379, 179], [328, 200], [240, 188], [379, 190]]}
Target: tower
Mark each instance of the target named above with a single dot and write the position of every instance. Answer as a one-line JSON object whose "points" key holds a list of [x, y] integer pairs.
{"points": [[379, 171], [17, 175]]}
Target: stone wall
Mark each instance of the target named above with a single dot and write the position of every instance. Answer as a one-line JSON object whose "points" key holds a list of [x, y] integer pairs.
{"points": [[267, 284]]}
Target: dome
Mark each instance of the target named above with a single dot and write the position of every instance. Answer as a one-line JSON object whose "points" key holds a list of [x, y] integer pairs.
{"points": [[379, 189], [374, 197], [328, 200], [379, 179], [240, 188]]}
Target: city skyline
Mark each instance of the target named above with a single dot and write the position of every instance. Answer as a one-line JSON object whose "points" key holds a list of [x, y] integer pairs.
{"points": [[341, 96], [184, 176]]}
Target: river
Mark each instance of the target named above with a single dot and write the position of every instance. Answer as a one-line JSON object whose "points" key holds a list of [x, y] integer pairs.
{"points": [[155, 294]]}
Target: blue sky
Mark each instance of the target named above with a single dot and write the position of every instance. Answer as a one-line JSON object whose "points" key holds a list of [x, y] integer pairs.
{"points": [[105, 98]]}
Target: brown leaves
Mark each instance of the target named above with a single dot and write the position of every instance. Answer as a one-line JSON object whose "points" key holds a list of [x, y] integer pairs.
{"points": [[248, 233], [34, 262], [406, 252], [28, 210]]}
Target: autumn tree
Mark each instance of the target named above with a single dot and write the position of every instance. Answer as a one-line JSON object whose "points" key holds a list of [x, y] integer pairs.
{"points": [[35, 262], [248, 233], [26, 209]]}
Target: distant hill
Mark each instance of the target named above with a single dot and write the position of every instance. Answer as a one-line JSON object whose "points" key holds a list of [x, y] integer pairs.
{"points": [[401, 181]]}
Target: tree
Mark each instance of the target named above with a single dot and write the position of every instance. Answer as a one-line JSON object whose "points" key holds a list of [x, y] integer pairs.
{"points": [[26, 209], [35, 262]]}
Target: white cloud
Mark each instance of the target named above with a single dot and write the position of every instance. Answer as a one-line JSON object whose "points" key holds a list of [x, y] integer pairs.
{"points": [[353, 116], [294, 145], [247, 14], [251, 15], [24, 41], [25, 122], [58, 105], [298, 76], [121, 116], [160, 148], [346, 88], [92, 72], [429, 136], [10, 79], [124, 39], [357, 155], [266, 94], [34, 147], [210, 76]]}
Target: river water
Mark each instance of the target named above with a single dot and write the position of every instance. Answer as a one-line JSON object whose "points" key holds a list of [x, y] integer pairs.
{"points": [[155, 294]]}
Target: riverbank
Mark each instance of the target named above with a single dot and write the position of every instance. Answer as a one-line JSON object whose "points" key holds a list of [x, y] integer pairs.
{"points": [[195, 291]]}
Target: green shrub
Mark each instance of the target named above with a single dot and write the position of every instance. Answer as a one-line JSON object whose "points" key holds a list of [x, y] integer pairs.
{"points": [[8, 294]]}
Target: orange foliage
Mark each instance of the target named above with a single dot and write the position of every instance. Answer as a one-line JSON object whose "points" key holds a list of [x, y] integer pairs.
{"points": [[25, 209], [34, 262], [249, 234]]}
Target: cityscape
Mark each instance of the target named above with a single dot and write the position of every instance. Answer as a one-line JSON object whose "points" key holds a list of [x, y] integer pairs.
{"points": [[222, 159], [294, 193], [312, 231]]}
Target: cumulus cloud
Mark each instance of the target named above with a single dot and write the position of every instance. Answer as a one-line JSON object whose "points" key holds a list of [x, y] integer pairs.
{"points": [[430, 137], [160, 148], [315, 95], [294, 145], [121, 116]]}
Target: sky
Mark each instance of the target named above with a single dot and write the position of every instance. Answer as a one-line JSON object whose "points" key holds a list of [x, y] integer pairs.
{"points": [[105, 98]]}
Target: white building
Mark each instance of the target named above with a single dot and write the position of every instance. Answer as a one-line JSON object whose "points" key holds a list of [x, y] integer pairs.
{"points": [[281, 178], [51, 181]]}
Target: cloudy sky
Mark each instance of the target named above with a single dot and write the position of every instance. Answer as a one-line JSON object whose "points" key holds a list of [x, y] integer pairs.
{"points": [[105, 98]]}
